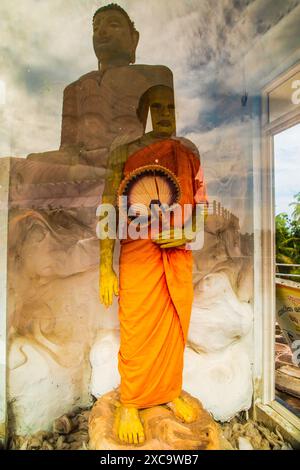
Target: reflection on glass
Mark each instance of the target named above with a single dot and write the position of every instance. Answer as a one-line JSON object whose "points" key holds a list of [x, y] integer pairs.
{"points": [[287, 218]]}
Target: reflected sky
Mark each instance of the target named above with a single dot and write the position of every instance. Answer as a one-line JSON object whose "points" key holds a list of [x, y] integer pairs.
{"points": [[45, 45], [287, 168], [218, 50]]}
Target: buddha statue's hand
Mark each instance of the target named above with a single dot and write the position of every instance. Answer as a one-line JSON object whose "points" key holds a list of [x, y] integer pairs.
{"points": [[108, 286], [172, 238]]}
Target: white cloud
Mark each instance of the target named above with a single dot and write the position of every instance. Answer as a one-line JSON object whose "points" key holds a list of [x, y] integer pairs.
{"points": [[208, 44], [287, 167], [48, 44], [2, 92]]}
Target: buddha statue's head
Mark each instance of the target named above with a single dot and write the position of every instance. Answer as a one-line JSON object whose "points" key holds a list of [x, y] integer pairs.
{"points": [[115, 38], [160, 101]]}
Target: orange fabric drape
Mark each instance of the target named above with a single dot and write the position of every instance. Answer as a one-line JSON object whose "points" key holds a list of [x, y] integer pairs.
{"points": [[156, 294]]}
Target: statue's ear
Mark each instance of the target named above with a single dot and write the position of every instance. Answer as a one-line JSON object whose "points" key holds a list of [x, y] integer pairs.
{"points": [[135, 41], [136, 37]]}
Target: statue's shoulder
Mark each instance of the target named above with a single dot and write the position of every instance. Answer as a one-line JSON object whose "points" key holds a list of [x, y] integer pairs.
{"points": [[189, 145], [87, 76], [154, 72], [153, 68]]}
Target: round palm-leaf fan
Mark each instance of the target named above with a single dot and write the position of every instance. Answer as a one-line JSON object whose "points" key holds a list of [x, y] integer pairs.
{"points": [[148, 188]]}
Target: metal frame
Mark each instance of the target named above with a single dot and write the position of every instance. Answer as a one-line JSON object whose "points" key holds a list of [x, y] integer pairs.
{"points": [[265, 262], [4, 201]]}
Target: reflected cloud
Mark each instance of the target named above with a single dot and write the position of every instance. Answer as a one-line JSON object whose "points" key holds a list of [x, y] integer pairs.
{"points": [[214, 49]]}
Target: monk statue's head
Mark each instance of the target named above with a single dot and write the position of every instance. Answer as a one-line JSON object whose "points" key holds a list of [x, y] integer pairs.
{"points": [[115, 38], [160, 100]]}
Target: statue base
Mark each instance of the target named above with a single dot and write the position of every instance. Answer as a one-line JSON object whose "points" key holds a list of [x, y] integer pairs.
{"points": [[163, 431]]}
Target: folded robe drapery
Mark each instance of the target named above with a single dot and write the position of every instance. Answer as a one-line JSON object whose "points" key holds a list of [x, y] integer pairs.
{"points": [[156, 292]]}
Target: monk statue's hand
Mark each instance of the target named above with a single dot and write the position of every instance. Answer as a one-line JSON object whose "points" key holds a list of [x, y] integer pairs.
{"points": [[172, 238], [108, 286]]}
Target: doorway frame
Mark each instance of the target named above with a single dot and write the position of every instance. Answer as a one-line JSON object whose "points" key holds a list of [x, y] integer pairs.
{"points": [[266, 408]]}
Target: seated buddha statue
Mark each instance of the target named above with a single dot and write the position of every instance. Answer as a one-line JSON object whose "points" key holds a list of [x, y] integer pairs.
{"points": [[100, 107]]}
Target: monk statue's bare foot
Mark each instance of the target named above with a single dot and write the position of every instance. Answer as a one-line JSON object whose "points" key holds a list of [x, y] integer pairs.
{"points": [[130, 428], [183, 410]]}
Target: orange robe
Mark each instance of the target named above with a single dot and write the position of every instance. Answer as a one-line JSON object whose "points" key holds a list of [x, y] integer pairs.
{"points": [[156, 293]]}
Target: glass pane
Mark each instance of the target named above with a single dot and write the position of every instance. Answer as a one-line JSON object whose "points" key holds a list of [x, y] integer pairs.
{"points": [[287, 217]]}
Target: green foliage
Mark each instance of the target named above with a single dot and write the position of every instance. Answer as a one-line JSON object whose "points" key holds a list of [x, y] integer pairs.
{"points": [[288, 239]]}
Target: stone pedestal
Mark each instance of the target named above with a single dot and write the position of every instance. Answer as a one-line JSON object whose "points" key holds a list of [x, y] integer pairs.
{"points": [[163, 431]]}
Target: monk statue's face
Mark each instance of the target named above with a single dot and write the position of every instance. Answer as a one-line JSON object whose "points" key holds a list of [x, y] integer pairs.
{"points": [[162, 109], [113, 38]]}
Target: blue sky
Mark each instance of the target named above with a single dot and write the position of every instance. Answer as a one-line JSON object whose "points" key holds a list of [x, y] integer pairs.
{"points": [[287, 168]]}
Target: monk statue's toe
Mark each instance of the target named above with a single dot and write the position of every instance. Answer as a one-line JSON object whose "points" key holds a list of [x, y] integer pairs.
{"points": [[183, 410], [130, 428], [113, 426]]}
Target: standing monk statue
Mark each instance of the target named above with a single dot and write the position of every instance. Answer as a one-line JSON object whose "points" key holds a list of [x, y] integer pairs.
{"points": [[155, 288]]}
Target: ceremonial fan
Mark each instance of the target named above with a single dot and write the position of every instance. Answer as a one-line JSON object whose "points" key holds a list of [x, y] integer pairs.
{"points": [[148, 189]]}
